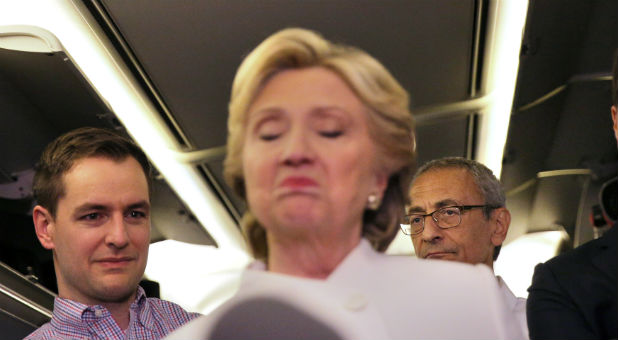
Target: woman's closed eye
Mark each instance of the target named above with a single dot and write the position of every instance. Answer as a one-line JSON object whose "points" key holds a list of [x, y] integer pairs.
{"points": [[328, 125], [331, 134], [270, 130], [268, 136]]}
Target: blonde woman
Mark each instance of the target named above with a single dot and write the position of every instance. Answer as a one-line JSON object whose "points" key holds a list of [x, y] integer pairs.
{"points": [[321, 146]]}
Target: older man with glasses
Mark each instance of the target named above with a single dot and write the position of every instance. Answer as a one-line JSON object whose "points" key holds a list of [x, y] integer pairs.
{"points": [[458, 213]]}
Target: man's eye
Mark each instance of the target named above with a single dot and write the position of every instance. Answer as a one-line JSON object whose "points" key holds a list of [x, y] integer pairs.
{"points": [[137, 214], [449, 211], [91, 216], [331, 134], [416, 220]]}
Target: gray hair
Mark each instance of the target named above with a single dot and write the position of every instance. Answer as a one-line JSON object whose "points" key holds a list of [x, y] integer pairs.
{"points": [[489, 186]]}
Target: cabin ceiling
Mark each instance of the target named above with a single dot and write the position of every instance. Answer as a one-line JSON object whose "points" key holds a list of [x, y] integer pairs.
{"points": [[567, 50], [570, 44], [190, 50]]}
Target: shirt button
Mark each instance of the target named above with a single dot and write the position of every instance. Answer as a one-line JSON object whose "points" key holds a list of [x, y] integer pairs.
{"points": [[98, 313], [356, 302]]}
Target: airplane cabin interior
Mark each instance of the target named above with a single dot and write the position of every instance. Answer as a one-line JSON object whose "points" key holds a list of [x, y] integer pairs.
{"points": [[522, 86]]}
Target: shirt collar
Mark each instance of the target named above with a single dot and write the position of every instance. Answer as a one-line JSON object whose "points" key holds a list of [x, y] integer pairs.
{"points": [[356, 261], [356, 257], [257, 265], [67, 317], [72, 317], [511, 299], [142, 309]]}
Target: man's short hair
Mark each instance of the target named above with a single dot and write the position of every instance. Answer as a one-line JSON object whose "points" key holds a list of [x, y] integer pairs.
{"points": [[488, 185], [60, 155], [615, 79]]}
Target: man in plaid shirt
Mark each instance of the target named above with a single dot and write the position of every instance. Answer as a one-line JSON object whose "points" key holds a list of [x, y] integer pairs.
{"points": [[92, 187]]}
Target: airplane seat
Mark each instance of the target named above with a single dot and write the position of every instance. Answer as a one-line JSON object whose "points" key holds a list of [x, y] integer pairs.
{"points": [[151, 288], [19, 246], [608, 200], [603, 214]]}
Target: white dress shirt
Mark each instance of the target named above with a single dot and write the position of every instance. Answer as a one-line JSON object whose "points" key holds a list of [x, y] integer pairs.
{"points": [[517, 305], [375, 296]]}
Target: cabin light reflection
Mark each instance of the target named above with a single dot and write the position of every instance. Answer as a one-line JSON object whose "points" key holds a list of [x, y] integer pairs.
{"points": [[86, 45], [507, 20], [197, 277], [518, 258]]}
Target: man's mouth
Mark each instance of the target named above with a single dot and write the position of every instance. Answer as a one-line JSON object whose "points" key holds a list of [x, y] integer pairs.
{"points": [[115, 262], [438, 254]]}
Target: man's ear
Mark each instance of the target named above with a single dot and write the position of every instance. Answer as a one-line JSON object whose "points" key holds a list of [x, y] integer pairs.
{"points": [[615, 119], [44, 226], [501, 219]]}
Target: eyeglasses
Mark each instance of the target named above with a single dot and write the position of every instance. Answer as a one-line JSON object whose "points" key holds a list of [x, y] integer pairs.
{"points": [[445, 218]]}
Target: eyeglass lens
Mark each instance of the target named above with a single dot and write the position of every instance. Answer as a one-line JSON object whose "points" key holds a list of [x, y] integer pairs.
{"points": [[447, 217]]}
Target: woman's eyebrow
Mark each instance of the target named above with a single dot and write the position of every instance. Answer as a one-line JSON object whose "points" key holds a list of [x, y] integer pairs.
{"points": [[336, 113], [266, 110], [328, 110], [257, 118]]}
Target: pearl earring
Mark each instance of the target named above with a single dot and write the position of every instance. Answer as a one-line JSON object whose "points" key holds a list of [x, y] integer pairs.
{"points": [[373, 202]]}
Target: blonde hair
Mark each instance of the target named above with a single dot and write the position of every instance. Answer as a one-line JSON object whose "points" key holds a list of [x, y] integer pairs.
{"points": [[389, 119]]}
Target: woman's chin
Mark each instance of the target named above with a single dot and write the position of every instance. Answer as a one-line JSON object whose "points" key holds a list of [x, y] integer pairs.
{"points": [[300, 212]]}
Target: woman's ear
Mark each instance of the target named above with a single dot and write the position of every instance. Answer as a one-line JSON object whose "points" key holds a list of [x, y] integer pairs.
{"points": [[501, 219], [44, 226], [381, 183]]}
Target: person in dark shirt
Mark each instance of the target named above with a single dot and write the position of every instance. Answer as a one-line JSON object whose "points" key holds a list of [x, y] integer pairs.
{"points": [[574, 295]]}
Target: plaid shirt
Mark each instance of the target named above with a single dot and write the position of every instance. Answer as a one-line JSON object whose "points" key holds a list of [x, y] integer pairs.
{"points": [[150, 318]]}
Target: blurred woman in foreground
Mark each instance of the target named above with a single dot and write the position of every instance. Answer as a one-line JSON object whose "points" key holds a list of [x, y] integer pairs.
{"points": [[321, 145]]}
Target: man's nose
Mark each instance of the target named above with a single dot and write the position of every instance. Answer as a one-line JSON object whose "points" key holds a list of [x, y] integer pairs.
{"points": [[431, 231], [297, 149], [117, 235]]}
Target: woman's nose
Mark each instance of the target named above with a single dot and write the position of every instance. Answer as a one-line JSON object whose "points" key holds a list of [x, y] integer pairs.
{"points": [[297, 148]]}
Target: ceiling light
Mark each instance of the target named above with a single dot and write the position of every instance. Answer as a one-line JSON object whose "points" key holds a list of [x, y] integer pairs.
{"points": [[506, 22], [87, 46]]}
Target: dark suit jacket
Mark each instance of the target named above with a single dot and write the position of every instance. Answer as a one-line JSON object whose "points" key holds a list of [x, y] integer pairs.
{"points": [[574, 295]]}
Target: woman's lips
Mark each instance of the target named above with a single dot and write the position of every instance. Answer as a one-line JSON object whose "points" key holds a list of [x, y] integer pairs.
{"points": [[298, 182]]}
